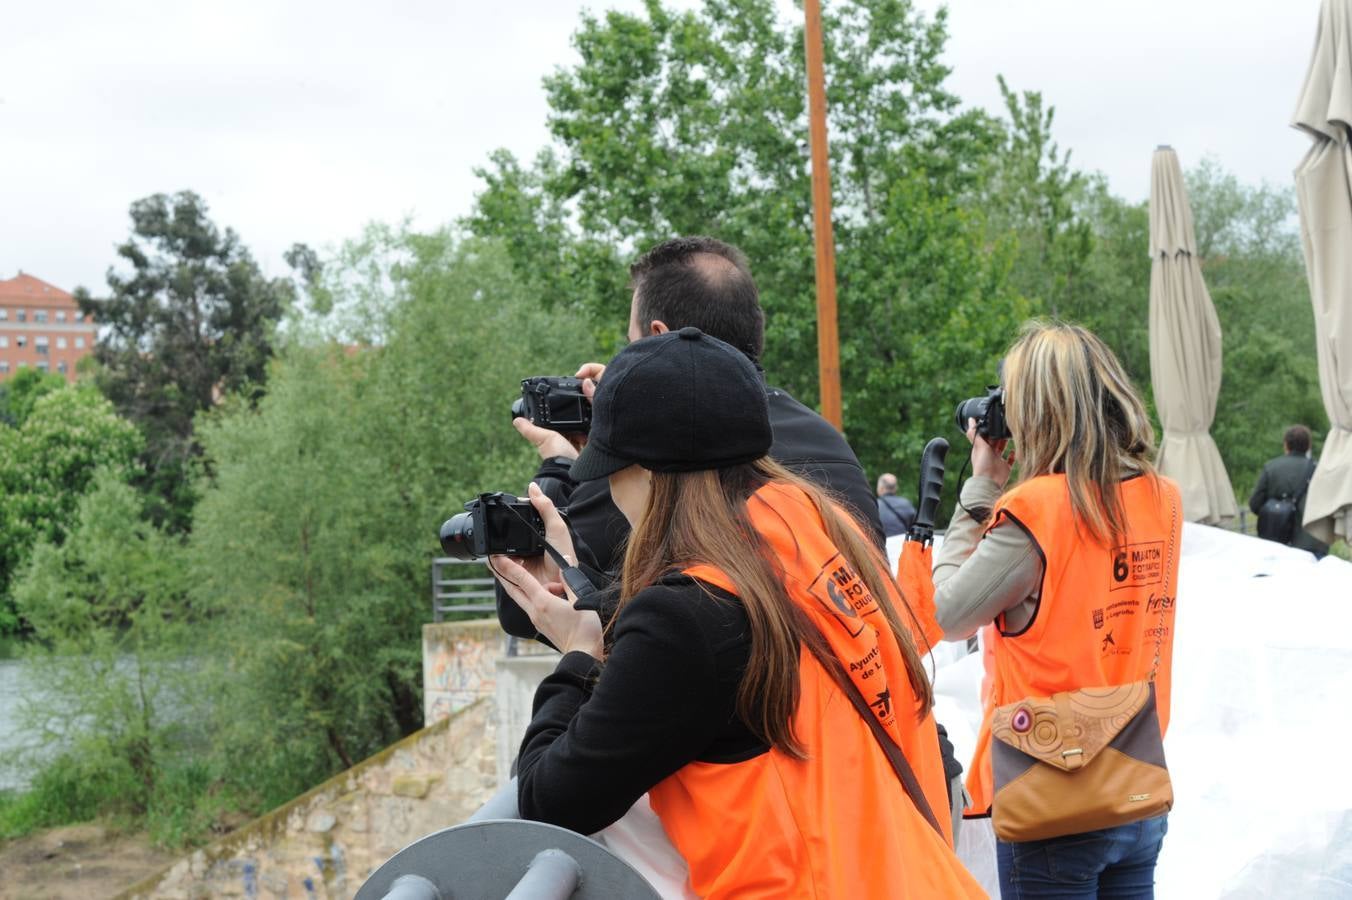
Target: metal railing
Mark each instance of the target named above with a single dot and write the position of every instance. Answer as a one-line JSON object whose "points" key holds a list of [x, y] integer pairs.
{"points": [[472, 593]]}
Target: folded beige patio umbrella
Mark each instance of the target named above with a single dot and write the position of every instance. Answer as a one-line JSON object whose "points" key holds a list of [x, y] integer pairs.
{"points": [[1324, 191], [1185, 350]]}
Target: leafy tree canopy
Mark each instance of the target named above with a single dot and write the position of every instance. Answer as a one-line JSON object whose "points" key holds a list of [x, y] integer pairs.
{"points": [[696, 122], [189, 318], [46, 465], [22, 390], [315, 534]]}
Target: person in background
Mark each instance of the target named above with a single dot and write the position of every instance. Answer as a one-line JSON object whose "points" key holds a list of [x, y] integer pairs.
{"points": [[759, 680], [1288, 476], [896, 512], [1039, 561]]}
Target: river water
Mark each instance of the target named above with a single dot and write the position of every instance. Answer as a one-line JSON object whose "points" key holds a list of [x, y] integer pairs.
{"points": [[15, 683]]}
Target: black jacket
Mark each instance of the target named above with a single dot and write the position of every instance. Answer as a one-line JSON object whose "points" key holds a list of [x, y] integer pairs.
{"points": [[897, 514], [1288, 476]]}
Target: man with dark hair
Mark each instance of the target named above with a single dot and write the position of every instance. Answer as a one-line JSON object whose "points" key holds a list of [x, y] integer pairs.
{"points": [[1279, 498], [705, 283]]}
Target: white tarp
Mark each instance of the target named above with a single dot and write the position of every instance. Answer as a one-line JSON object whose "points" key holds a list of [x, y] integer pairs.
{"points": [[1261, 725]]}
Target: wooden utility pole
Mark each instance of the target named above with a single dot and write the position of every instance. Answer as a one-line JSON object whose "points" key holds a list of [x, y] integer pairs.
{"points": [[828, 341]]}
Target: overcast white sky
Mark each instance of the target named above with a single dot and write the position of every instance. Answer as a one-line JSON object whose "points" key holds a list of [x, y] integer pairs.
{"points": [[301, 120]]}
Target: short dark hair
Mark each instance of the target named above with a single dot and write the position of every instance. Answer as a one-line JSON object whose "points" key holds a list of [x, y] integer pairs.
{"points": [[703, 282], [1297, 439]]}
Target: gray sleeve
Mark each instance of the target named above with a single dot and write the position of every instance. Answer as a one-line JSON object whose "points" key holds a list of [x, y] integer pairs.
{"points": [[976, 580]]}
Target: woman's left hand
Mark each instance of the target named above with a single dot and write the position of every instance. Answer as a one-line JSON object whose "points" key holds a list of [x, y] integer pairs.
{"points": [[988, 458], [554, 616]]}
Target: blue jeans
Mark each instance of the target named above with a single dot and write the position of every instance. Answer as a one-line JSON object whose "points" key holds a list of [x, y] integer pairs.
{"points": [[1114, 862]]}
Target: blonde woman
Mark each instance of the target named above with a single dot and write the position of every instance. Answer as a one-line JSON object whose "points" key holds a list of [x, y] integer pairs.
{"points": [[760, 681], [1041, 562]]}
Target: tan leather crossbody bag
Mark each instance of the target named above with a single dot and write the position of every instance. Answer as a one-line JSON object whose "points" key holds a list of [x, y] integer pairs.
{"points": [[1080, 760]]}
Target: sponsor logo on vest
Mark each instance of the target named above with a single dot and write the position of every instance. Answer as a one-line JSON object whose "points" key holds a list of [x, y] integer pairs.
{"points": [[883, 705], [1109, 647], [868, 666], [1159, 604], [1137, 798], [1098, 618], [841, 591], [1137, 565]]}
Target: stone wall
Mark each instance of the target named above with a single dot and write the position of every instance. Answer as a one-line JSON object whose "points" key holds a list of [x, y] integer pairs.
{"points": [[326, 842], [460, 663]]}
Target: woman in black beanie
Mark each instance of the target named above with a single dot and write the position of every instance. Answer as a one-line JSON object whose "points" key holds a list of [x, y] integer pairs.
{"points": [[760, 679]]}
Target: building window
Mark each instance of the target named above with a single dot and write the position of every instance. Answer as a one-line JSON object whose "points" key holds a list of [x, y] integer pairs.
{"points": [[61, 343], [79, 343], [40, 345], [4, 342], [4, 365], [21, 341], [4, 314], [21, 315], [62, 368], [44, 366], [60, 315], [40, 316]]}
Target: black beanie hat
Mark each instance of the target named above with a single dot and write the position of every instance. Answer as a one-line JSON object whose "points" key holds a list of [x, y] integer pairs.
{"points": [[676, 402]]}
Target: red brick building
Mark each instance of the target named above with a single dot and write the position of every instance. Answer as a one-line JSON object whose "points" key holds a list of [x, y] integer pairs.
{"points": [[41, 326]]}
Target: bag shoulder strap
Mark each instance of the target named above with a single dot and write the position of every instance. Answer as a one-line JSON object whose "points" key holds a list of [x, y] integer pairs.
{"points": [[1169, 565], [900, 765]]}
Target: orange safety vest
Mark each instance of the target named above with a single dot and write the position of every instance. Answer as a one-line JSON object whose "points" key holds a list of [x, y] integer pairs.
{"points": [[1100, 611], [839, 823]]}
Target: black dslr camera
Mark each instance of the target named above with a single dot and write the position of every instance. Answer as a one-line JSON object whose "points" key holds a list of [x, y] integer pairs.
{"points": [[555, 402], [989, 412], [494, 524]]}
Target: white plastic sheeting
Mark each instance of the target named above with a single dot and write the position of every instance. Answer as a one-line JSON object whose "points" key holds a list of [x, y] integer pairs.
{"points": [[1260, 741]]}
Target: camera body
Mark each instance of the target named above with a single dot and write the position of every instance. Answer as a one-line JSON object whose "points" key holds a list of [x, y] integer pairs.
{"points": [[989, 412], [555, 402], [494, 524]]}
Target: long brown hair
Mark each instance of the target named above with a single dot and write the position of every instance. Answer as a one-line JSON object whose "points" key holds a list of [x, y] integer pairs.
{"points": [[1073, 409], [702, 517]]}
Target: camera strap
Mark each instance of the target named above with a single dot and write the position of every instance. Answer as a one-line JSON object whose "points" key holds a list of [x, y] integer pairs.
{"points": [[576, 579]]}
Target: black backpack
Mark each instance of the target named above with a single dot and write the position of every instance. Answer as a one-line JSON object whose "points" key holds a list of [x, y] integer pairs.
{"points": [[1278, 519]]}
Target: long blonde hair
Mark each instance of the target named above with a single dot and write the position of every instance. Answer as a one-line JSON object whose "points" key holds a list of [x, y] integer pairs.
{"points": [[1073, 410], [702, 517]]}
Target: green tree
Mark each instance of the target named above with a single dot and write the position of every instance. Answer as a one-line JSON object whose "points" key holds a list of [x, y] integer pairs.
{"points": [[696, 122], [107, 610], [1254, 268], [313, 540], [193, 320], [47, 465], [22, 390]]}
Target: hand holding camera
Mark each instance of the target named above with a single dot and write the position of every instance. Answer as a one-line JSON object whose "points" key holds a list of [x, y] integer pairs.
{"points": [[554, 414], [983, 420], [535, 584]]}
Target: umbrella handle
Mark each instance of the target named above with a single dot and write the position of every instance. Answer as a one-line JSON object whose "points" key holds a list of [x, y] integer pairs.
{"points": [[930, 490]]}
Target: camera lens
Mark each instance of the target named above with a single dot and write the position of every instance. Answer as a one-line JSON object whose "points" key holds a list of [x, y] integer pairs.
{"points": [[974, 408], [457, 536], [518, 408]]}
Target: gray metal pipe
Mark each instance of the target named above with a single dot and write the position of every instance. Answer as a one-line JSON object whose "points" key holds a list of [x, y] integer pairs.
{"points": [[501, 805], [413, 887], [551, 875]]}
